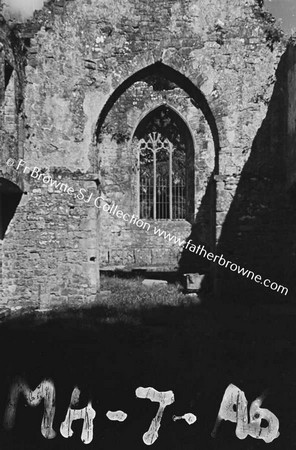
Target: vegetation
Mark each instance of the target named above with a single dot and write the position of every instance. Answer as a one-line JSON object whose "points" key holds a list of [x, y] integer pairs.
{"points": [[272, 27], [130, 293]]}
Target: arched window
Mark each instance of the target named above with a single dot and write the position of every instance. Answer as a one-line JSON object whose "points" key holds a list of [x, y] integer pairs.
{"points": [[166, 166]]}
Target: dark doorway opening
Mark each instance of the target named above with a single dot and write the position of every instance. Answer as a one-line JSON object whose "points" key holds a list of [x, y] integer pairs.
{"points": [[8, 73], [10, 196]]}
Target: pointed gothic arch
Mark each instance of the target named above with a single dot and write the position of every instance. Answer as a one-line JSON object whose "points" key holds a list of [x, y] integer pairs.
{"points": [[181, 189], [168, 73]]}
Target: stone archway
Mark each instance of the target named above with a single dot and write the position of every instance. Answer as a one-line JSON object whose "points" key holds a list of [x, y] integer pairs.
{"points": [[10, 196], [157, 86]]}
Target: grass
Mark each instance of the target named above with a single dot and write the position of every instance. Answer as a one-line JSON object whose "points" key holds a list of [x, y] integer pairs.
{"points": [[132, 294], [129, 301], [138, 336]]}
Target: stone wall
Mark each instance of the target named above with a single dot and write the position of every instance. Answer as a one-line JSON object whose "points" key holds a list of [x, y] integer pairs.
{"points": [[291, 102], [1, 276], [258, 231], [123, 242], [85, 83], [54, 237]]}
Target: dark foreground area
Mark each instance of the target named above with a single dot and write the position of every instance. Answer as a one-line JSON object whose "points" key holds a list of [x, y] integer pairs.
{"points": [[194, 350]]}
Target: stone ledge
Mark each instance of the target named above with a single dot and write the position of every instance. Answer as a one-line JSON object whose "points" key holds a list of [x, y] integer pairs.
{"points": [[139, 269]]}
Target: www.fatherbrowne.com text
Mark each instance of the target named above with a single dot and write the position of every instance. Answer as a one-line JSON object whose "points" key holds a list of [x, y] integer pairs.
{"points": [[113, 209]]}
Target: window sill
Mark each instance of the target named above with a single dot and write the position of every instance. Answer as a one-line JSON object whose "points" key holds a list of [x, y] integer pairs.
{"points": [[162, 221]]}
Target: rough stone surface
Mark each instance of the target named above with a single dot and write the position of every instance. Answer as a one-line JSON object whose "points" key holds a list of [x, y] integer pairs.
{"points": [[193, 281]]}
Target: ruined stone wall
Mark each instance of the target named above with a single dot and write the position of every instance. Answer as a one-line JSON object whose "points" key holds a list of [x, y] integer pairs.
{"points": [[124, 243], [258, 232], [54, 237], [83, 59], [1, 277], [10, 100], [291, 93]]}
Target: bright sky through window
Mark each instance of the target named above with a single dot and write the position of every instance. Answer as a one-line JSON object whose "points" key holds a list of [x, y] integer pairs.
{"points": [[22, 9], [284, 10]]}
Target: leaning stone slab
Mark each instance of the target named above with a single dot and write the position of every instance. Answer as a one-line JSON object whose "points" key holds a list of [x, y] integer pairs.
{"points": [[193, 281]]}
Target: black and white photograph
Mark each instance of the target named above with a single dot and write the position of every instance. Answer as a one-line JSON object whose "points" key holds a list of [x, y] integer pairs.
{"points": [[147, 224]]}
